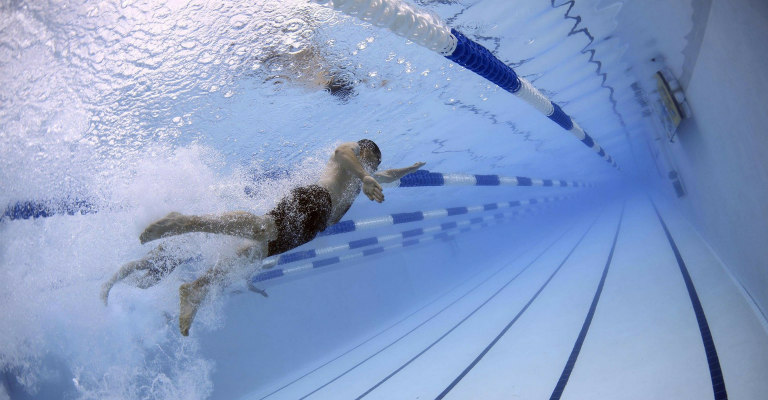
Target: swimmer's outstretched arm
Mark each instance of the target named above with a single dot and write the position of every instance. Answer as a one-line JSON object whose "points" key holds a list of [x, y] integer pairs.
{"points": [[391, 175]]}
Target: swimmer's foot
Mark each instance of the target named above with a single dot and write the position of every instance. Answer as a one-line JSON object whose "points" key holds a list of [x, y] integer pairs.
{"points": [[253, 288], [190, 296], [171, 224]]}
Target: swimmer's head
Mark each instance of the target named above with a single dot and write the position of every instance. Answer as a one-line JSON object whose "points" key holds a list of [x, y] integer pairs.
{"points": [[341, 87], [370, 155]]}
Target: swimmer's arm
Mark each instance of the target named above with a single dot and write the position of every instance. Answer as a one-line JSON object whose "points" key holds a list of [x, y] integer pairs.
{"points": [[346, 156], [391, 175]]}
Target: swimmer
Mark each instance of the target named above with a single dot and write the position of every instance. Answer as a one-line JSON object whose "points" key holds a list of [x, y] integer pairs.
{"points": [[296, 220], [310, 69]]}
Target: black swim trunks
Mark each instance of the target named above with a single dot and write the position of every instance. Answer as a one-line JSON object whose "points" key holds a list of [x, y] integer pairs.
{"points": [[299, 217]]}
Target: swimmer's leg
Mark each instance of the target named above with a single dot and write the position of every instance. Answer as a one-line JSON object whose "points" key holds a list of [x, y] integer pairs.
{"points": [[192, 294], [150, 263], [238, 223]]}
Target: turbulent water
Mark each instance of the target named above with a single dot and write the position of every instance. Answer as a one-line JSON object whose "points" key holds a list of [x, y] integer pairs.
{"points": [[141, 108]]}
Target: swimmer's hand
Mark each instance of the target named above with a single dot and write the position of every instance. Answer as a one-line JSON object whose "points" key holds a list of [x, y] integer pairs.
{"points": [[372, 189], [414, 167], [391, 175]]}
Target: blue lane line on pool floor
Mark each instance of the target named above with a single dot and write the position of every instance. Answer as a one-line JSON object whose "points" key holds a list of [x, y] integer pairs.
{"points": [[715, 372], [436, 299], [512, 322], [473, 313], [481, 306], [566, 374], [442, 310]]}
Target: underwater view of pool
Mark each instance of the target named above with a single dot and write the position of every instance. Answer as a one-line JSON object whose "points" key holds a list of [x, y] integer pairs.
{"points": [[514, 263]]}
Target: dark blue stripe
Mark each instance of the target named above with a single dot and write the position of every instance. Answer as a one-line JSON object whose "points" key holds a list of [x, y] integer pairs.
{"points": [[375, 250], [514, 203], [448, 225], [491, 206], [341, 227], [296, 256], [601, 153], [422, 178], [563, 183], [457, 210], [478, 308], [363, 242], [410, 242], [402, 218], [479, 60], [325, 262], [405, 318], [44, 209], [533, 201], [523, 181], [588, 140], [561, 118], [507, 265], [715, 372], [547, 182], [413, 232], [566, 374], [263, 276], [487, 180]]}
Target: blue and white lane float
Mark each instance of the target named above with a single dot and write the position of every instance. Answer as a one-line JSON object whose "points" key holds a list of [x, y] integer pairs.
{"points": [[428, 178], [428, 30], [44, 209], [70, 206], [414, 216], [403, 239], [295, 256]]}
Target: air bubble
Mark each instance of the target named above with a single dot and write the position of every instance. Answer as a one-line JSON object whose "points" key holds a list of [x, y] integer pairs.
{"points": [[322, 14], [238, 21], [294, 25], [205, 58]]}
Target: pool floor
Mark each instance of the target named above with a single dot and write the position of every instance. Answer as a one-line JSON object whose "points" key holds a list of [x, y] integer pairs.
{"points": [[599, 310]]}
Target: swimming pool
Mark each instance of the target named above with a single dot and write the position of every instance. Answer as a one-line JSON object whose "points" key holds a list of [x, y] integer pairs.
{"points": [[521, 265]]}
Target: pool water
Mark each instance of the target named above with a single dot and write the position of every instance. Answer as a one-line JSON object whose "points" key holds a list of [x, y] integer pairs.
{"points": [[116, 113]]}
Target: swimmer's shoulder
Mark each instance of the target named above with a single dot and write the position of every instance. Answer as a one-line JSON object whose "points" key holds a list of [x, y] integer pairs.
{"points": [[353, 146]]}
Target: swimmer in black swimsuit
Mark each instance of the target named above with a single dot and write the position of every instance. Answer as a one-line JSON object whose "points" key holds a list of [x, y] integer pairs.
{"points": [[296, 220]]}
